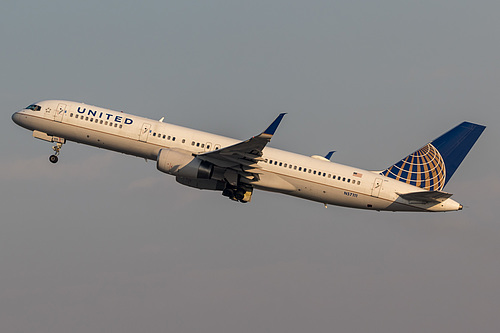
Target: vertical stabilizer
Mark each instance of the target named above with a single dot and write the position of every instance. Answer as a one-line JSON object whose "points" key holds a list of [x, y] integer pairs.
{"points": [[432, 166]]}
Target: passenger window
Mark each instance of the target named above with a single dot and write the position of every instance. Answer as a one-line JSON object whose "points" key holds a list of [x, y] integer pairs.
{"points": [[164, 136], [311, 170], [275, 162], [154, 134], [281, 164], [202, 145], [192, 143], [121, 125], [284, 165], [173, 139], [197, 144], [329, 175], [70, 115], [314, 172], [86, 118], [295, 167], [116, 124], [343, 179]]}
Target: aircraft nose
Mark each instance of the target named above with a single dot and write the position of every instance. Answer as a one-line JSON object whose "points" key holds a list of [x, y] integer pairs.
{"points": [[20, 119], [16, 117]]}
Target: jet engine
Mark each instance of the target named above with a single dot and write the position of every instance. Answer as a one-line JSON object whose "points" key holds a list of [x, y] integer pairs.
{"points": [[183, 164], [194, 172]]}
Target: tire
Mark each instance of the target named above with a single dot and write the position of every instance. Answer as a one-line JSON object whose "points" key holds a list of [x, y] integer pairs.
{"points": [[53, 158]]}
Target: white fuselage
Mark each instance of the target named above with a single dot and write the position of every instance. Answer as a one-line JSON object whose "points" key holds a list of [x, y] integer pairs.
{"points": [[281, 171]]}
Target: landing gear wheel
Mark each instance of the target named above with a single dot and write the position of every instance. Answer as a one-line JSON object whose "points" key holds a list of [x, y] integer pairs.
{"points": [[57, 150], [241, 193], [53, 158]]}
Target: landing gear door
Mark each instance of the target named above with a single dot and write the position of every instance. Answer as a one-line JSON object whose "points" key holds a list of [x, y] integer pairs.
{"points": [[377, 186], [143, 136], [59, 113]]}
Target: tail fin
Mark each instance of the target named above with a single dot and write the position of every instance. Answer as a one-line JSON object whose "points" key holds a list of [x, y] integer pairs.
{"points": [[432, 166]]}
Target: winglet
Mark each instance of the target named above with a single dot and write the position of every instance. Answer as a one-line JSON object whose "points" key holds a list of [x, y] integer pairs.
{"points": [[272, 128], [329, 155]]}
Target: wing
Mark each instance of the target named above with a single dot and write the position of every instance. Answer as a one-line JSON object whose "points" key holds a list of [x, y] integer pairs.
{"points": [[244, 155], [426, 196]]}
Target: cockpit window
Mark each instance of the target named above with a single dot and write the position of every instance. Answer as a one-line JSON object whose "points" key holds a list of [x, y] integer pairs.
{"points": [[34, 107]]}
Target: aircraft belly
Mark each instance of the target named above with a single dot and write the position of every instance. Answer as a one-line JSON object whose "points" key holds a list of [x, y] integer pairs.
{"points": [[275, 183], [326, 194], [119, 144]]}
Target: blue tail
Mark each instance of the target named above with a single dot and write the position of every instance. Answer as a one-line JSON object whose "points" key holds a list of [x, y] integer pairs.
{"points": [[432, 166]]}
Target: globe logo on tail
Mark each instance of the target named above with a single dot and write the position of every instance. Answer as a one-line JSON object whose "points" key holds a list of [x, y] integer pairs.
{"points": [[424, 168]]}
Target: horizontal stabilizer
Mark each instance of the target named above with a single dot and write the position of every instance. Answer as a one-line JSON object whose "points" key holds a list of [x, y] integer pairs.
{"points": [[426, 196]]}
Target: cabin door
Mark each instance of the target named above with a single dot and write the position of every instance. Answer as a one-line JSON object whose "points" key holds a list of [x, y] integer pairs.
{"points": [[59, 112]]}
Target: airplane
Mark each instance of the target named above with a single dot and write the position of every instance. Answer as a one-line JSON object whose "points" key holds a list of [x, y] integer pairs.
{"points": [[235, 168]]}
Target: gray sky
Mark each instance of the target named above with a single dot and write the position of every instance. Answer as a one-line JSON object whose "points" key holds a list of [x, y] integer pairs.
{"points": [[102, 242]]}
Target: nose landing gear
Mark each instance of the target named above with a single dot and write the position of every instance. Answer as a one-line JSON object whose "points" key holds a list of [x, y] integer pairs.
{"points": [[50, 138], [57, 150]]}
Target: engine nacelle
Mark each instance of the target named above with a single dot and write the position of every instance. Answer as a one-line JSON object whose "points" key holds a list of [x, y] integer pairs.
{"points": [[202, 184], [183, 164]]}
